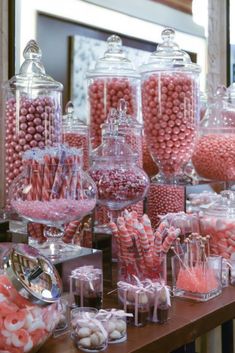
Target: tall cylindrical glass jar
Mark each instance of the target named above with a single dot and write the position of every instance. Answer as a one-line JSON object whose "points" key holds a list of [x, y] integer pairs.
{"points": [[170, 94], [114, 77], [33, 114]]}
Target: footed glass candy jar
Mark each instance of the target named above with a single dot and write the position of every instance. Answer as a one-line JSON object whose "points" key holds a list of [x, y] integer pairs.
{"points": [[53, 190], [170, 95]]}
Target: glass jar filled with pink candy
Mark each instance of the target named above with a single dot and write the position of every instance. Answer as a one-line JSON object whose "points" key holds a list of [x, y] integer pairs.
{"points": [[214, 157], [170, 94], [218, 221], [53, 190], [32, 112], [113, 77]]}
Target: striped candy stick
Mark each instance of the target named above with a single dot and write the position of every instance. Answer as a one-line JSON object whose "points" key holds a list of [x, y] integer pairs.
{"points": [[148, 229], [129, 222], [116, 237], [47, 179], [58, 180], [170, 238], [148, 259], [157, 243]]}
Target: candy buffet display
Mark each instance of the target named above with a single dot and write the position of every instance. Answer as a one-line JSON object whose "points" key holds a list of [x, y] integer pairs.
{"points": [[197, 275], [114, 77], [30, 289], [213, 157], [32, 112], [218, 220], [170, 93], [86, 287], [140, 251], [53, 190], [76, 134]]}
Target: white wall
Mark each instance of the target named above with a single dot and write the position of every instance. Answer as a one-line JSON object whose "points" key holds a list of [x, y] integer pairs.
{"points": [[84, 12]]}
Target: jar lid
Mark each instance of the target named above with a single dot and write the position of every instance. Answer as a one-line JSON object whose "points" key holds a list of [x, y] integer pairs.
{"points": [[71, 121], [223, 207], [119, 120], [114, 62], [231, 93], [32, 74], [168, 55], [32, 274], [220, 113]]}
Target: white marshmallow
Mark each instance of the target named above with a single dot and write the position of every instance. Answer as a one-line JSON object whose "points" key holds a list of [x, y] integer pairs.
{"points": [[85, 342], [115, 335], [84, 332]]}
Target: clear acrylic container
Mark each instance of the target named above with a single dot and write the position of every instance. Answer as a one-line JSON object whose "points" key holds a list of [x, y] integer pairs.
{"points": [[33, 116], [114, 322], [198, 281], [170, 95], [213, 157], [76, 134], [114, 77]]}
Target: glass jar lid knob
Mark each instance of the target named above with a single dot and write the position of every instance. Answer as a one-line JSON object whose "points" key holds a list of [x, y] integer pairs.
{"points": [[114, 44], [32, 50], [168, 36], [69, 109]]}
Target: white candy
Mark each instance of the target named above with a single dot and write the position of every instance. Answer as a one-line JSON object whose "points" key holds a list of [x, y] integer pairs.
{"points": [[101, 337], [120, 326], [95, 341], [143, 299], [85, 342], [92, 326], [110, 326], [84, 332], [115, 335]]}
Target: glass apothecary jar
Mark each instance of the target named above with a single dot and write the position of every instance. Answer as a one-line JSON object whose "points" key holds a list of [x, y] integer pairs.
{"points": [[30, 289], [76, 133], [170, 94], [214, 157], [114, 77], [33, 116], [218, 221]]}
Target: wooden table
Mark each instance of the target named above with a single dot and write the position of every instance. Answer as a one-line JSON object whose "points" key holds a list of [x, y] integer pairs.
{"points": [[188, 320]]}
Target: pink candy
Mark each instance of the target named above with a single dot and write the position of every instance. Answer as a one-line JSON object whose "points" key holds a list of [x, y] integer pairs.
{"points": [[118, 185], [214, 157], [55, 211], [105, 94], [169, 111], [79, 141], [163, 199], [222, 235], [37, 125], [149, 165]]}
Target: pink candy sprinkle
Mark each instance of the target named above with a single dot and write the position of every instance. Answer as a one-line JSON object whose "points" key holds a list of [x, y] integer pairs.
{"points": [[55, 211], [214, 157]]}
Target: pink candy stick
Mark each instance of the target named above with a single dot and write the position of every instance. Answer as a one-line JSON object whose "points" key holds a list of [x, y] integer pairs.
{"points": [[158, 243], [148, 229], [169, 240], [148, 259]]}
